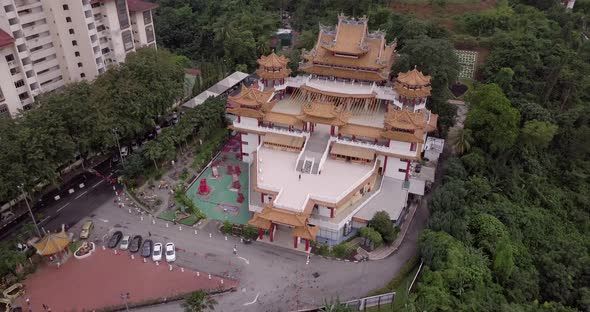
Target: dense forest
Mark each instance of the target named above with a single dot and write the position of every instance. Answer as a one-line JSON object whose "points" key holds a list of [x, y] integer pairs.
{"points": [[509, 227]]}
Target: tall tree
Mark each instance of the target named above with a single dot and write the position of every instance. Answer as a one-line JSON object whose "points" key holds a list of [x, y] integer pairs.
{"points": [[198, 301], [492, 118]]}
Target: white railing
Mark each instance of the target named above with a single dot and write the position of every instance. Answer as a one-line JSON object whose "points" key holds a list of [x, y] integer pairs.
{"points": [[270, 130], [325, 155], [335, 226], [301, 154], [378, 148], [336, 199]]}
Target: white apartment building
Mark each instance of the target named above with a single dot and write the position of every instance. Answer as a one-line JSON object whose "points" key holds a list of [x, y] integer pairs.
{"points": [[45, 44]]}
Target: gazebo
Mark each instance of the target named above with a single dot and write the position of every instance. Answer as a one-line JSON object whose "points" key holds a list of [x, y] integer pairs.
{"points": [[54, 245]]}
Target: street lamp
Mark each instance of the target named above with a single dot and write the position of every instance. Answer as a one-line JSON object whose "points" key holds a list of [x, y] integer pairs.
{"points": [[21, 188], [125, 297], [116, 136]]}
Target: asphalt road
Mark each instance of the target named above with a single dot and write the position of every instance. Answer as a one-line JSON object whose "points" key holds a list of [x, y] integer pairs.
{"points": [[70, 208]]}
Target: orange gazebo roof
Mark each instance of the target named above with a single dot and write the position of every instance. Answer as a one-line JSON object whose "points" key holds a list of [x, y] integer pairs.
{"points": [[52, 243]]}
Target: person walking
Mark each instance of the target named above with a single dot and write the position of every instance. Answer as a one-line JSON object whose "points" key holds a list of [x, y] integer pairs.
{"points": [[235, 249], [149, 234]]}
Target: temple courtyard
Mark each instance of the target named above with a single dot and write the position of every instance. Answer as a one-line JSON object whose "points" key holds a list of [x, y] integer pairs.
{"points": [[221, 201]]}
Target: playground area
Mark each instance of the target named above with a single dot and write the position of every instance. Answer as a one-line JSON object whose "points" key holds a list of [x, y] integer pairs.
{"points": [[221, 192]]}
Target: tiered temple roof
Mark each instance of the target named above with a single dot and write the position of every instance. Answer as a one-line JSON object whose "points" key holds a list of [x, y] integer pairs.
{"points": [[273, 66], [324, 112], [251, 102], [349, 50], [405, 120], [413, 84]]}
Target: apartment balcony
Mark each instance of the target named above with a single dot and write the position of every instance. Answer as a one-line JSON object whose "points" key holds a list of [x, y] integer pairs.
{"points": [[36, 29], [11, 14], [22, 89], [39, 41], [48, 75], [27, 101], [46, 64], [28, 4], [42, 53], [31, 17], [53, 85]]}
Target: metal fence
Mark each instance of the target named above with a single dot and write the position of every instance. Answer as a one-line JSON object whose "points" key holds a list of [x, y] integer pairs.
{"points": [[362, 304]]}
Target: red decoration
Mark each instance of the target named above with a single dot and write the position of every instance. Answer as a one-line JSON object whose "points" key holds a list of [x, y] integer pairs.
{"points": [[236, 185], [230, 170], [237, 170], [240, 198], [204, 189]]}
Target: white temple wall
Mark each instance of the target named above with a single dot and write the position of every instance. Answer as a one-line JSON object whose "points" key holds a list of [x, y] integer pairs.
{"points": [[394, 165], [249, 144]]}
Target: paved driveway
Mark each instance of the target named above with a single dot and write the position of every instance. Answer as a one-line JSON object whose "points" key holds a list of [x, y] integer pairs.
{"points": [[270, 278]]}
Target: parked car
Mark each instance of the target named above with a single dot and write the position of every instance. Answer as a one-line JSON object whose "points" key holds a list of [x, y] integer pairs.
{"points": [[114, 240], [157, 252], [135, 244], [86, 229], [146, 248], [170, 252], [125, 242]]}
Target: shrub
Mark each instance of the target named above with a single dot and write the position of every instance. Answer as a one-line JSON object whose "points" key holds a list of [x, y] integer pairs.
{"points": [[226, 228], [341, 250], [250, 232], [320, 248]]}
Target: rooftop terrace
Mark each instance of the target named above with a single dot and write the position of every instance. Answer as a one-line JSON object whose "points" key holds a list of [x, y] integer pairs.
{"points": [[278, 173]]}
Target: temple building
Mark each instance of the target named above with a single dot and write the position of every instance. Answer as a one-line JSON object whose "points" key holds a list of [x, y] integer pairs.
{"points": [[330, 148]]}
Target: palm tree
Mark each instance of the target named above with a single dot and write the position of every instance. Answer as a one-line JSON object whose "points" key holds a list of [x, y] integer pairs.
{"points": [[198, 301], [464, 140]]}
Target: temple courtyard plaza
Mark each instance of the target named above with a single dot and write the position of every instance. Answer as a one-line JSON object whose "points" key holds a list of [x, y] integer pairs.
{"points": [[99, 280], [269, 278], [276, 171], [222, 201]]}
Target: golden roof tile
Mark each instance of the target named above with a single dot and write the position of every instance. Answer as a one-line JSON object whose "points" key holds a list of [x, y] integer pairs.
{"points": [[282, 216], [414, 77], [416, 137], [265, 74], [246, 112], [259, 222], [352, 151], [285, 140], [421, 92], [251, 96], [282, 118], [361, 131], [273, 60], [405, 120], [306, 232]]}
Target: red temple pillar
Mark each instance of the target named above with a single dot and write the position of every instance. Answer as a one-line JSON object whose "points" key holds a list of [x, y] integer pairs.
{"points": [[259, 139], [306, 244], [331, 212], [295, 242], [260, 233], [239, 118], [241, 148], [332, 130], [407, 171], [272, 232], [262, 197]]}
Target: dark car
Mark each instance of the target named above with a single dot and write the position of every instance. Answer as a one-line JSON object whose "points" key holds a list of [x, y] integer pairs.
{"points": [[114, 240], [146, 248], [135, 243]]}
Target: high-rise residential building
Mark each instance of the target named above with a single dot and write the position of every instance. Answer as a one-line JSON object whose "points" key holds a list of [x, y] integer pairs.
{"points": [[330, 148], [45, 44]]}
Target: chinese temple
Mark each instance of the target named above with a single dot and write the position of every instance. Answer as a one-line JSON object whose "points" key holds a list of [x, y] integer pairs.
{"points": [[331, 147]]}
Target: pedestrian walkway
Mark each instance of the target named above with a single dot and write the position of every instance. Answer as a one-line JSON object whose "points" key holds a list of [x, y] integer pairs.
{"points": [[98, 282]]}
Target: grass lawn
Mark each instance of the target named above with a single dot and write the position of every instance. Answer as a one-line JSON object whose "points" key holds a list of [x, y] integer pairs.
{"points": [[169, 216], [400, 286]]}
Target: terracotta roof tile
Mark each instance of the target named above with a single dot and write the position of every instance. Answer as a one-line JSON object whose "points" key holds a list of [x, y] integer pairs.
{"points": [[5, 38], [140, 6]]}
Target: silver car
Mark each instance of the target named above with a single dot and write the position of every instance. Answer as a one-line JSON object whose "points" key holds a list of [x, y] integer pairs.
{"points": [[125, 242]]}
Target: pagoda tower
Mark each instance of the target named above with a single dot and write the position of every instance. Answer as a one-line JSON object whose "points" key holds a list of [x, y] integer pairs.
{"points": [[413, 88], [273, 69]]}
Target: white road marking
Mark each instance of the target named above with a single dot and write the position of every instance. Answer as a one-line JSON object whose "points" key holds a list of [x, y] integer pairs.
{"points": [[253, 302], [81, 194], [62, 207], [44, 219], [97, 184], [103, 220], [245, 260]]}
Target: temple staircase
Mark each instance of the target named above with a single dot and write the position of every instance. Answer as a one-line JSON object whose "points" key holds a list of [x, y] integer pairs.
{"points": [[312, 154]]}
